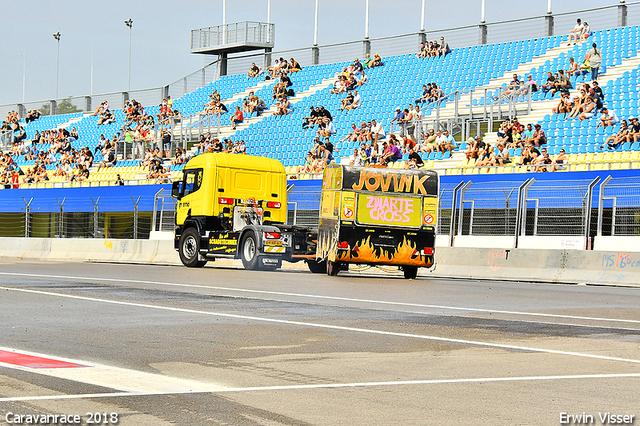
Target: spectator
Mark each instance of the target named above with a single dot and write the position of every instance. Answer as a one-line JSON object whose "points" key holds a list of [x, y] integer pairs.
{"points": [[32, 115], [294, 66], [436, 93], [561, 83], [414, 156], [560, 162], [377, 131], [586, 32], [236, 118], [377, 61], [119, 181], [254, 71], [429, 145], [356, 158], [426, 94], [588, 109], [447, 143], [326, 129], [573, 67], [565, 105], [391, 153], [444, 47], [634, 130], [258, 105], [514, 86], [542, 161], [550, 83], [355, 103], [108, 159], [530, 84], [579, 103], [348, 100], [609, 118], [311, 119], [614, 141], [408, 125], [595, 59], [576, 32], [585, 67], [399, 117], [502, 155], [407, 144], [539, 138]]}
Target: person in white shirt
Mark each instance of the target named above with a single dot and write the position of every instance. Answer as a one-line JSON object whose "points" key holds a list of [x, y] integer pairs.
{"points": [[608, 118], [377, 131], [576, 33]]}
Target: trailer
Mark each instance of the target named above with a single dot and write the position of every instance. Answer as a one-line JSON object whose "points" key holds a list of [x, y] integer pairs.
{"points": [[378, 216]]}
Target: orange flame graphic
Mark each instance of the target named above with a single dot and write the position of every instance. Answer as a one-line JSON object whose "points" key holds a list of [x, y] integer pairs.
{"points": [[405, 254]]}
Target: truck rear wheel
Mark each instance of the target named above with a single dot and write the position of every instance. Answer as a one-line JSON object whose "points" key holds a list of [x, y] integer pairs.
{"points": [[317, 266], [333, 268], [190, 249], [410, 272], [249, 251]]}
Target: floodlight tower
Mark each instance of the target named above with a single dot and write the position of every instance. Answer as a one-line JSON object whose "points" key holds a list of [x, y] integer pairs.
{"points": [[57, 37], [129, 23]]}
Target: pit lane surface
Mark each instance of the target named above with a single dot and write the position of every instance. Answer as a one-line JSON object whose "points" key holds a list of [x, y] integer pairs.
{"points": [[164, 345]]}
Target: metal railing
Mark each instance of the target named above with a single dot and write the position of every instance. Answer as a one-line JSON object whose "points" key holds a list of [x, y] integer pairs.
{"points": [[609, 16], [457, 113], [6, 139]]}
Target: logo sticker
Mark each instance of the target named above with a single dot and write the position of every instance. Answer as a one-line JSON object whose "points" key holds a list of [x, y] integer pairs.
{"points": [[428, 218]]}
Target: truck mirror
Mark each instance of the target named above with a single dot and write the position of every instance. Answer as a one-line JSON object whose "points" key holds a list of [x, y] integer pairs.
{"points": [[176, 189]]}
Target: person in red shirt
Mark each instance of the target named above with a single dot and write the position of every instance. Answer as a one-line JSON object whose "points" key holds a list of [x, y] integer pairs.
{"points": [[237, 117]]}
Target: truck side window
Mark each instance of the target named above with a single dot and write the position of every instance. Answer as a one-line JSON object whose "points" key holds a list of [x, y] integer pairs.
{"points": [[192, 181]]}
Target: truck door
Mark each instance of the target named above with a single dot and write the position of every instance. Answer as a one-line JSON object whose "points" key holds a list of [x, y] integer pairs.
{"points": [[189, 198]]}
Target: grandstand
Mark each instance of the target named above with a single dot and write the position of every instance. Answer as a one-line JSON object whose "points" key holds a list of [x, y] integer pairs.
{"points": [[472, 77]]}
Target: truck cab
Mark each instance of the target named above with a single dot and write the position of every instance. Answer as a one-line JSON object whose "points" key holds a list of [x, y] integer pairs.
{"points": [[235, 206]]}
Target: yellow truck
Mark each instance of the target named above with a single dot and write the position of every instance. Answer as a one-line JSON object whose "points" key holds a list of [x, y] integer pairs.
{"points": [[235, 206], [378, 216]]}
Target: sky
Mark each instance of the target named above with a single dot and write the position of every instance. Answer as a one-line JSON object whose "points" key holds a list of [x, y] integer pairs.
{"points": [[94, 32]]}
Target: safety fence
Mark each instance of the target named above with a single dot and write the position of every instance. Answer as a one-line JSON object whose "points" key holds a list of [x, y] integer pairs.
{"points": [[515, 208], [77, 217]]}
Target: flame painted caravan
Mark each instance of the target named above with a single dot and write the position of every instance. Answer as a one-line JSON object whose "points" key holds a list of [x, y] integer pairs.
{"points": [[378, 216], [235, 206]]}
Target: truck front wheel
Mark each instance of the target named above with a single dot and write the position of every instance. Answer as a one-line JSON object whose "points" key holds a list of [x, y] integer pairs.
{"points": [[190, 249], [249, 251]]}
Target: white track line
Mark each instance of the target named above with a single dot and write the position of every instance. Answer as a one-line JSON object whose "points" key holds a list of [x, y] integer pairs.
{"points": [[313, 296], [325, 386], [326, 326]]}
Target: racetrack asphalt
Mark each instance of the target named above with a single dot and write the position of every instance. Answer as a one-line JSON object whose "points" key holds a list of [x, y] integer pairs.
{"points": [[168, 345]]}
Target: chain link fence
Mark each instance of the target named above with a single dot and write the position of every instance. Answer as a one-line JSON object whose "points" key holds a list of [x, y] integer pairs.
{"points": [[620, 206]]}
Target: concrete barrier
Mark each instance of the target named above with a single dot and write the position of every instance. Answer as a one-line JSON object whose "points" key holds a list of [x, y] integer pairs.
{"points": [[562, 266]]}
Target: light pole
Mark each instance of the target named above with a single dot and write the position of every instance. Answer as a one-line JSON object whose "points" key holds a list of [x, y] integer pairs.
{"points": [[129, 23], [57, 37]]}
